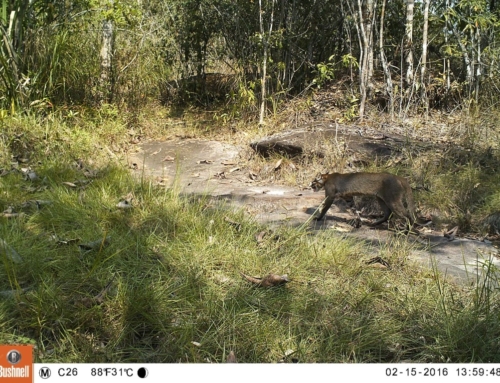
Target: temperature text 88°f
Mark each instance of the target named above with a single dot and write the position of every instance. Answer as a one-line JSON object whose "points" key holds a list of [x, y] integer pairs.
{"points": [[112, 371]]}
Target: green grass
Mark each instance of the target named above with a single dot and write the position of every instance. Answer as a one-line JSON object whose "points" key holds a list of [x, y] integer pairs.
{"points": [[173, 263]]}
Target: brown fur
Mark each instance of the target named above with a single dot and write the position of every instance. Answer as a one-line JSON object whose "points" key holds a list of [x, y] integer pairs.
{"points": [[391, 191]]}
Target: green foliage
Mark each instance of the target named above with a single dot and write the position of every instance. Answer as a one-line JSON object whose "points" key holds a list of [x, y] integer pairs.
{"points": [[49, 52], [349, 60], [352, 112], [123, 13], [27, 75], [55, 56], [325, 73], [245, 98]]}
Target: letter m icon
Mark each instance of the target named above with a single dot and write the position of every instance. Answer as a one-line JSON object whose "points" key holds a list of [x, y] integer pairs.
{"points": [[44, 373]]}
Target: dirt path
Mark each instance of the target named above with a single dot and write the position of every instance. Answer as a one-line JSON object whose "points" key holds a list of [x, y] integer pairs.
{"points": [[211, 167]]}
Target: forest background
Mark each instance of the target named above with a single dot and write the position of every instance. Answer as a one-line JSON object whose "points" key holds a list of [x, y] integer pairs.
{"points": [[254, 55]]}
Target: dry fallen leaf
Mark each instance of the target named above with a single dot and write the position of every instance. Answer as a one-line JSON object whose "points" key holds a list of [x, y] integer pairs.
{"points": [[168, 158], [342, 229], [221, 278], [126, 201], [90, 173], [38, 203], [29, 174], [155, 153], [12, 215], [125, 204], [270, 280], [84, 247], [34, 189], [278, 164], [236, 225], [60, 241], [379, 136], [378, 262], [450, 234], [259, 237], [231, 358], [392, 162], [81, 184], [10, 210], [204, 162]]}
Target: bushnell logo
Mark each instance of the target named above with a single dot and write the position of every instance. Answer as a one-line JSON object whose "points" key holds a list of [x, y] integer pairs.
{"points": [[13, 357], [16, 363]]}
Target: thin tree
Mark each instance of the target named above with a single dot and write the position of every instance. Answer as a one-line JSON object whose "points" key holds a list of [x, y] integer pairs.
{"points": [[479, 63], [265, 38], [424, 56], [383, 61], [446, 56], [408, 44], [365, 13], [465, 54], [106, 54]]}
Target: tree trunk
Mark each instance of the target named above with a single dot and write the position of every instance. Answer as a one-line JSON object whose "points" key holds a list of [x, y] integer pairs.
{"points": [[348, 37], [424, 56], [265, 42], [365, 30], [408, 45], [370, 21], [478, 65], [465, 55], [383, 61], [106, 78], [446, 58]]}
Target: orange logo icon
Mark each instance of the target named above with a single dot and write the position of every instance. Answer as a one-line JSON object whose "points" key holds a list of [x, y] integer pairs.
{"points": [[16, 364]]}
